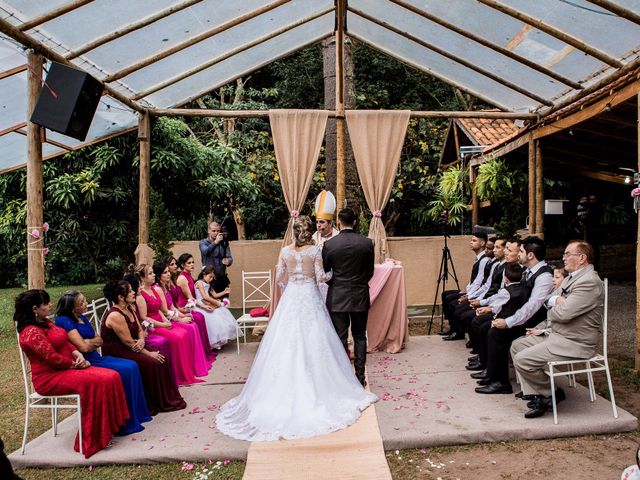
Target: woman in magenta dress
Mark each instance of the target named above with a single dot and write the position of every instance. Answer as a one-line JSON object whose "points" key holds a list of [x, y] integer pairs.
{"points": [[58, 368], [123, 337], [198, 318], [187, 292], [182, 320], [149, 304]]}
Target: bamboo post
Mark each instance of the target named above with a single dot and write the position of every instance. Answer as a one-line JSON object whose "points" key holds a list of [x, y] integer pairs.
{"points": [[341, 190], [539, 191], [35, 215], [532, 187], [143, 252], [638, 258]]}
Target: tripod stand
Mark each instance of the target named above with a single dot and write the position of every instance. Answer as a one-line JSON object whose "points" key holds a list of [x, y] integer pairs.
{"points": [[443, 276]]}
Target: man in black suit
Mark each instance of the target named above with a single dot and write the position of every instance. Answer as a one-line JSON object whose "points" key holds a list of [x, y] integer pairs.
{"points": [[350, 257]]}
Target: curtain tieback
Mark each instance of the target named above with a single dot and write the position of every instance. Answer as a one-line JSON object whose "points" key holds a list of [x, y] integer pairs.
{"points": [[377, 213], [295, 213]]}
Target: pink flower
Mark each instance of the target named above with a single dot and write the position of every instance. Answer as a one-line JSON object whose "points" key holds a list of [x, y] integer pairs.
{"points": [[45, 227], [35, 233], [635, 192], [377, 213], [45, 250], [187, 467], [226, 462], [295, 213]]}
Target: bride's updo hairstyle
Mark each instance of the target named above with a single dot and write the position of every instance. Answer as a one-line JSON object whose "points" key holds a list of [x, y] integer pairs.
{"points": [[303, 231]]}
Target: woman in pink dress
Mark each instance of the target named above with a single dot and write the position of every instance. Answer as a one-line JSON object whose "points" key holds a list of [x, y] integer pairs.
{"points": [[181, 320], [187, 293], [149, 304]]}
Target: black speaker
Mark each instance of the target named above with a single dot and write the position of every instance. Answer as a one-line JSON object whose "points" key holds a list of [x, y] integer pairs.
{"points": [[68, 101]]}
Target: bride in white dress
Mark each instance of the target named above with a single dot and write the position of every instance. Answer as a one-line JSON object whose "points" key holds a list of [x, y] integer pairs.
{"points": [[301, 383]]}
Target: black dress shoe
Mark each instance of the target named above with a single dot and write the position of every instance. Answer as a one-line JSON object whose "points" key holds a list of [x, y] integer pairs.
{"points": [[468, 344], [474, 351], [522, 396], [484, 381], [473, 358], [538, 410], [495, 387], [454, 336], [445, 333], [475, 366], [479, 375]]}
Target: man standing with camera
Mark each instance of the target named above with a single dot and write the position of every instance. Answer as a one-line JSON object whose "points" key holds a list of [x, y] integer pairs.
{"points": [[215, 252]]}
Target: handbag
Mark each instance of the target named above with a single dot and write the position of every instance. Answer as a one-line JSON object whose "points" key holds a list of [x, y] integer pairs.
{"points": [[259, 312]]}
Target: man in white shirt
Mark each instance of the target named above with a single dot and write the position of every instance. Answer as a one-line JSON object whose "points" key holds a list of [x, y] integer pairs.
{"points": [[539, 278]]}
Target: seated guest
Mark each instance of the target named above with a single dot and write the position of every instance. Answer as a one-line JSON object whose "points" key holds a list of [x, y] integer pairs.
{"points": [[58, 368], [70, 316], [451, 298], [486, 309], [574, 319], [494, 273], [181, 320], [123, 337], [197, 317], [217, 336], [538, 277], [223, 327], [150, 309]]}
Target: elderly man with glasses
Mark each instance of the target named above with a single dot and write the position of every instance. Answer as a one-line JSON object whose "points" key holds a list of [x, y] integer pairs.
{"points": [[574, 318]]}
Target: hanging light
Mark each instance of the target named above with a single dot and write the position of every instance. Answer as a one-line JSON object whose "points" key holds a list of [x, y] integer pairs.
{"points": [[627, 180]]}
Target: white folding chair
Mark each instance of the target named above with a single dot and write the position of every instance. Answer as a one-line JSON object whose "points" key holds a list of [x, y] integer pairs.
{"points": [[35, 400], [256, 292], [94, 313], [597, 363]]}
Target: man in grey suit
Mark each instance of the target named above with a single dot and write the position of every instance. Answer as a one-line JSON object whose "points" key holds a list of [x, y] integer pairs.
{"points": [[574, 319], [350, 257]]}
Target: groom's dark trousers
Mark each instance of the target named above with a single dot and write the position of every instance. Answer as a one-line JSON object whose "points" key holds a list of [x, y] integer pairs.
{"points": [[350, 257]]}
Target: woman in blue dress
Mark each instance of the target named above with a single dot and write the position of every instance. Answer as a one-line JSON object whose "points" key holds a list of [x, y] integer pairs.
{"points": [[70, 316]]}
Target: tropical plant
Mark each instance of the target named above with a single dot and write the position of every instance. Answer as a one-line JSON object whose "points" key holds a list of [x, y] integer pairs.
{"points": [[494, 179]]}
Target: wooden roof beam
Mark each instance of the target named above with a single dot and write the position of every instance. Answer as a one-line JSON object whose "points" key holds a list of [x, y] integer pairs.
{"points": [[231, 53], [486, 43], [554, 32], [192, 41], [53, 14], [201, 112], [132, 27], [26, 40], [618, 10], [450, 56]]}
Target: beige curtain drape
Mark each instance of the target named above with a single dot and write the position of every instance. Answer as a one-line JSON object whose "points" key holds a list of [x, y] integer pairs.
{"points": [[297, 138], [377, 138]]}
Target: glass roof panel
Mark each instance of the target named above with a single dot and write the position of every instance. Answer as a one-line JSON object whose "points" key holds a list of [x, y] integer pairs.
{"points": [[460, 47], [13, 150], [249, 60], [13, 100], [439, 66], [222, 43]]}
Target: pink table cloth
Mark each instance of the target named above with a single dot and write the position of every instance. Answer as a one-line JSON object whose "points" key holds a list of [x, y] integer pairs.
{"points": [[388, 323]]}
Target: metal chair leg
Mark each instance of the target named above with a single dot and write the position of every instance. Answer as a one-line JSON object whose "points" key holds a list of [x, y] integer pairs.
{"points": [[613, 398], [80, 425], [553, 395], [26, 430]]}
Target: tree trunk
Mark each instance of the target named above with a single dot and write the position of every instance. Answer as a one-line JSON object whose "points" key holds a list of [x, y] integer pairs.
{"points": [[354, 195], [239, 219]]}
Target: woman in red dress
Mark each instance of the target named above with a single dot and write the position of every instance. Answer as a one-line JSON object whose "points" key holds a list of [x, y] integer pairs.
{"points": [[123, 337], [58, 368]]}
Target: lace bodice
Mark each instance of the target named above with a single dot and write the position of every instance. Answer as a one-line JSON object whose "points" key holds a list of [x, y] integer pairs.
{"points": [[303, 266]]}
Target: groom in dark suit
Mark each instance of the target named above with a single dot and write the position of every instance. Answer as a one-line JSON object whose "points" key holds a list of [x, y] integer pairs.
{"points": [[350, 257]]}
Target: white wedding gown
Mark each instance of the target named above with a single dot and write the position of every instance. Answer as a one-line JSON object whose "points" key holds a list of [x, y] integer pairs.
{"points": [[301, 382]]}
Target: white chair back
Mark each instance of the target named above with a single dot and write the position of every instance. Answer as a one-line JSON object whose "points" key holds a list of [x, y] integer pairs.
{"points": [[256, 290], [95, 312]]}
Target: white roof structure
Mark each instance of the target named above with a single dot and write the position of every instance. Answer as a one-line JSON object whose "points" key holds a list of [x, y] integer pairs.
{"points": [[518, 55]]}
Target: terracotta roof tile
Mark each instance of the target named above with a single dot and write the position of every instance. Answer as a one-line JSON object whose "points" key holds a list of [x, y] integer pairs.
{"points": [[487, 131]]}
